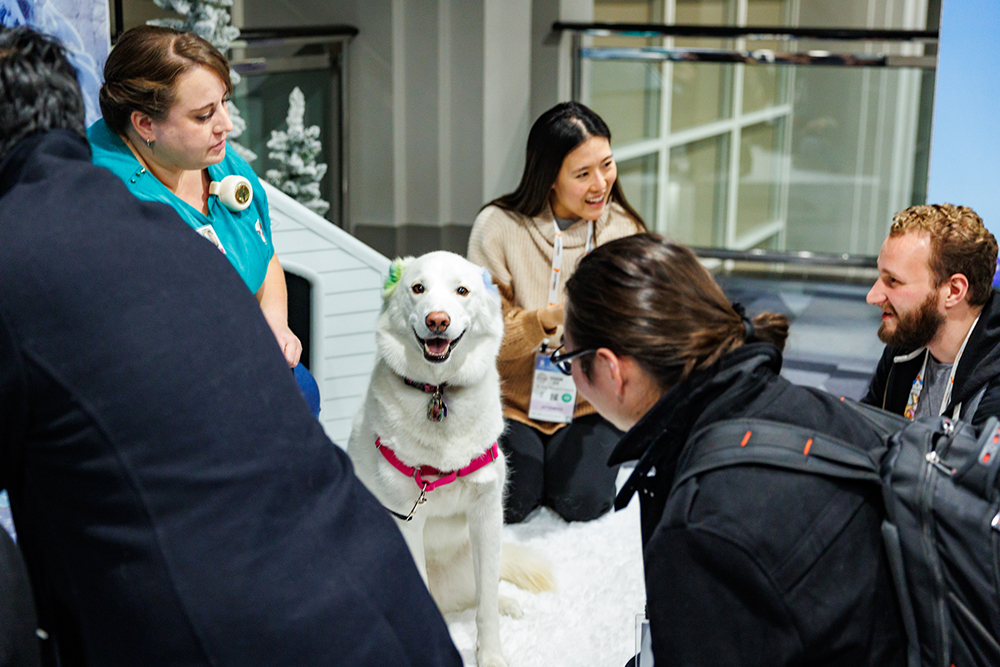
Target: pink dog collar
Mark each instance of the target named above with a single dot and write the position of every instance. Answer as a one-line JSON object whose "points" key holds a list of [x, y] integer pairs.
{"points": [[488, 457]]}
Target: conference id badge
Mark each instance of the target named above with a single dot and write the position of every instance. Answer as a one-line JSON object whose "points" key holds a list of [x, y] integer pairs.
{"points": [[209, 233], [553, 395]]}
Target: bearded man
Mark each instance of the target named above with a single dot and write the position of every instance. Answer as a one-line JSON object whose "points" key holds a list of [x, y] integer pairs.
{"points": [[940, 316]]}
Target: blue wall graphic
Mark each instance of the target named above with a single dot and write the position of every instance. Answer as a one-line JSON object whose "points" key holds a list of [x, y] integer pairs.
{"points": [[82, 26]]}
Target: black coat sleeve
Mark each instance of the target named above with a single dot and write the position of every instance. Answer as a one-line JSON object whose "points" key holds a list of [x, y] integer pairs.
{"points": [[710, 603], [18, 645], [13, 405]]}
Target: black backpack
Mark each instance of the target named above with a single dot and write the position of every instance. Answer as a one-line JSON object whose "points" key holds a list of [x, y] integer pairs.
{"points": [[942, 527]]}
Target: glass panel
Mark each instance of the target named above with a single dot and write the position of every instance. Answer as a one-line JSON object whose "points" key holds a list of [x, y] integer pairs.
{"points": [[705, 12], [638, 180], [855, 159], [696, 193], [770, 243], [761, 167], [765, 86], [827, 154], [627, 96], [269, 71], [867, 14], [700, 94], [628, 11], [263, 102], [768, 12]]}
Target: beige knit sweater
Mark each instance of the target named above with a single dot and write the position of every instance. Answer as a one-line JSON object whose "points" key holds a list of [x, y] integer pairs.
{"points": [[518, 252]]}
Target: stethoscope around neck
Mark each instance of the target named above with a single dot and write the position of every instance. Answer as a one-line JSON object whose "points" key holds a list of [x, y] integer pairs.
{"points": [[233, 191]]}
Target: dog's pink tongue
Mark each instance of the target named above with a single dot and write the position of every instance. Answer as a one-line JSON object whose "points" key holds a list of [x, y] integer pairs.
{"points": [[436, 346]]}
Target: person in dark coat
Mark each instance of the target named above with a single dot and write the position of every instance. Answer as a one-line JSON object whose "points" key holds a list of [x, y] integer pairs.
{"points": [[940, 316], [18, 642], [744, 565], [175, 501]]}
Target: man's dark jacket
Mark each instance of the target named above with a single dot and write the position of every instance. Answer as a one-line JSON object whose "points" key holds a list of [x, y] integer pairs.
{"points": [[176, 502], [978, 367], [750, 565]]}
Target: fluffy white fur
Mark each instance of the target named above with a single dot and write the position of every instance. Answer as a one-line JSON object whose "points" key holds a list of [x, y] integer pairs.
{"points": [[455, 536]]}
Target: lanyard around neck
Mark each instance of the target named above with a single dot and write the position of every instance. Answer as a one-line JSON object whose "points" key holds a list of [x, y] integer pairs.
{"points": [[918, 383], [557, 257]]}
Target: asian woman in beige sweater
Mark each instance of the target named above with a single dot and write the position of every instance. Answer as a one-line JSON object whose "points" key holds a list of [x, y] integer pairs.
{"points": [[568, 202]]}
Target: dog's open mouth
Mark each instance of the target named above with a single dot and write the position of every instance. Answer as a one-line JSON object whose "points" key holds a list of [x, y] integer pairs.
{"points": [[437, 350]]}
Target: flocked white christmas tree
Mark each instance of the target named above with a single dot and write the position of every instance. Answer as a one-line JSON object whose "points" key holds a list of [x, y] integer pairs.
{"points": [[210, 19], [295, 150]]}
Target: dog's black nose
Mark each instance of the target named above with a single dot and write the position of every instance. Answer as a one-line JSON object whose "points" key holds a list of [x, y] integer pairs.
{"points": [[438, 321]]}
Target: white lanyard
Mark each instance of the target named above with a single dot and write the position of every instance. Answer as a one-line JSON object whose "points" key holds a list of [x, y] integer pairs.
{"points": [[918, 383], [557, 256]]}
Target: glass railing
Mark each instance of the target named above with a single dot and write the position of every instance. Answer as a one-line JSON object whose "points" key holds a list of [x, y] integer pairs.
{"points": [[779, 140], [271, 63]]}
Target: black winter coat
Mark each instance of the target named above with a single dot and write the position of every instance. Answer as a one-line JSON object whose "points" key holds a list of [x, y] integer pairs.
{"points": [[978, 367], [750, 565], [176, 502]]}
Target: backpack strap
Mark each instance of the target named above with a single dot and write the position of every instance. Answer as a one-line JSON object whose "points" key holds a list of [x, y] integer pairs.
{"points": [[764, 442], [787, 446]]}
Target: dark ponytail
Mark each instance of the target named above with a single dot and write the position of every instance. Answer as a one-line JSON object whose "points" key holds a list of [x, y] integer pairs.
{"points": [[649, 299]]}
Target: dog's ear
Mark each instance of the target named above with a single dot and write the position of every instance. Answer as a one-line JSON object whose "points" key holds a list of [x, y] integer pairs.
{"points": [[395, 274]]}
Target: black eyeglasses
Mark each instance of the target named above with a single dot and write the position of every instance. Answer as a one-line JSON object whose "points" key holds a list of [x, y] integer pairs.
{"points": [[563, 360]]}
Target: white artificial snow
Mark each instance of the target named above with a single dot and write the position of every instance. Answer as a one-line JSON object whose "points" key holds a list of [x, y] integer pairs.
{"points": [[589, 621]]}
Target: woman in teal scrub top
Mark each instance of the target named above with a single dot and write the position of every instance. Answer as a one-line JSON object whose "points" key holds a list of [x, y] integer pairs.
{"points": [[164, 102]]}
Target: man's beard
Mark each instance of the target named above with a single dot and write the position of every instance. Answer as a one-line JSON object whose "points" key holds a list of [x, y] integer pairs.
{"points": [[916, 328]]}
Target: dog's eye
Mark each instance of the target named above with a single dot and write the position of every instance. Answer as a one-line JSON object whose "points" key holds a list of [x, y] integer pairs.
{"points": [[418, 288], [462, 291]]}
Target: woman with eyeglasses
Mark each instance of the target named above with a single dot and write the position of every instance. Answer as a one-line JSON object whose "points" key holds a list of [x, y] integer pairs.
{"points": [[746, 564], [568, 202]]}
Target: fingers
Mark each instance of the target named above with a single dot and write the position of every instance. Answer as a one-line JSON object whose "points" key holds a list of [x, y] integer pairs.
{"points": [[551, 316], [291, 346], [293, 350]]}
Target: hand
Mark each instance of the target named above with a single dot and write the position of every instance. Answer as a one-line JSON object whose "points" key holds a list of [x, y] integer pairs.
{"points": [[289, 343], [551, 317]]}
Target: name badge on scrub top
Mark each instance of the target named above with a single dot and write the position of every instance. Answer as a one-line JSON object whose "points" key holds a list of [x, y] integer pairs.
{"points": [[209, 233], [553, 395]]}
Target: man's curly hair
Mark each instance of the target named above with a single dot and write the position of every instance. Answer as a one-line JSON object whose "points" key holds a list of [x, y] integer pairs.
{"points": [[960, 243]]}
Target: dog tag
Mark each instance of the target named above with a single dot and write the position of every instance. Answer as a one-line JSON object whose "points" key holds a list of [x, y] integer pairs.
{"points": [[553, 395]]}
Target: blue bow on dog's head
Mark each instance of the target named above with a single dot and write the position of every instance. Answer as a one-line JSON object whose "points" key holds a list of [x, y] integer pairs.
{"points": [[488, 281]]}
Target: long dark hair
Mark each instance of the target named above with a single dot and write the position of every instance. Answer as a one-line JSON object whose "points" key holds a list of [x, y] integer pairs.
{"points": [[647, 298], [553, 136]]}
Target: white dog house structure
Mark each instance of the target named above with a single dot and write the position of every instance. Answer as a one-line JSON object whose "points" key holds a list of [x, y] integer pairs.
{"points": [[345, 277]]}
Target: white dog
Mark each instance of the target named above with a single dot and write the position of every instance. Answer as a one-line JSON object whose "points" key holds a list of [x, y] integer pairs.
{"points": [[425, 439]]}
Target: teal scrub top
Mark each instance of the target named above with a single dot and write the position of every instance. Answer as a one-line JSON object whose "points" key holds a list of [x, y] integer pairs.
{"points": [[245, 236]]}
